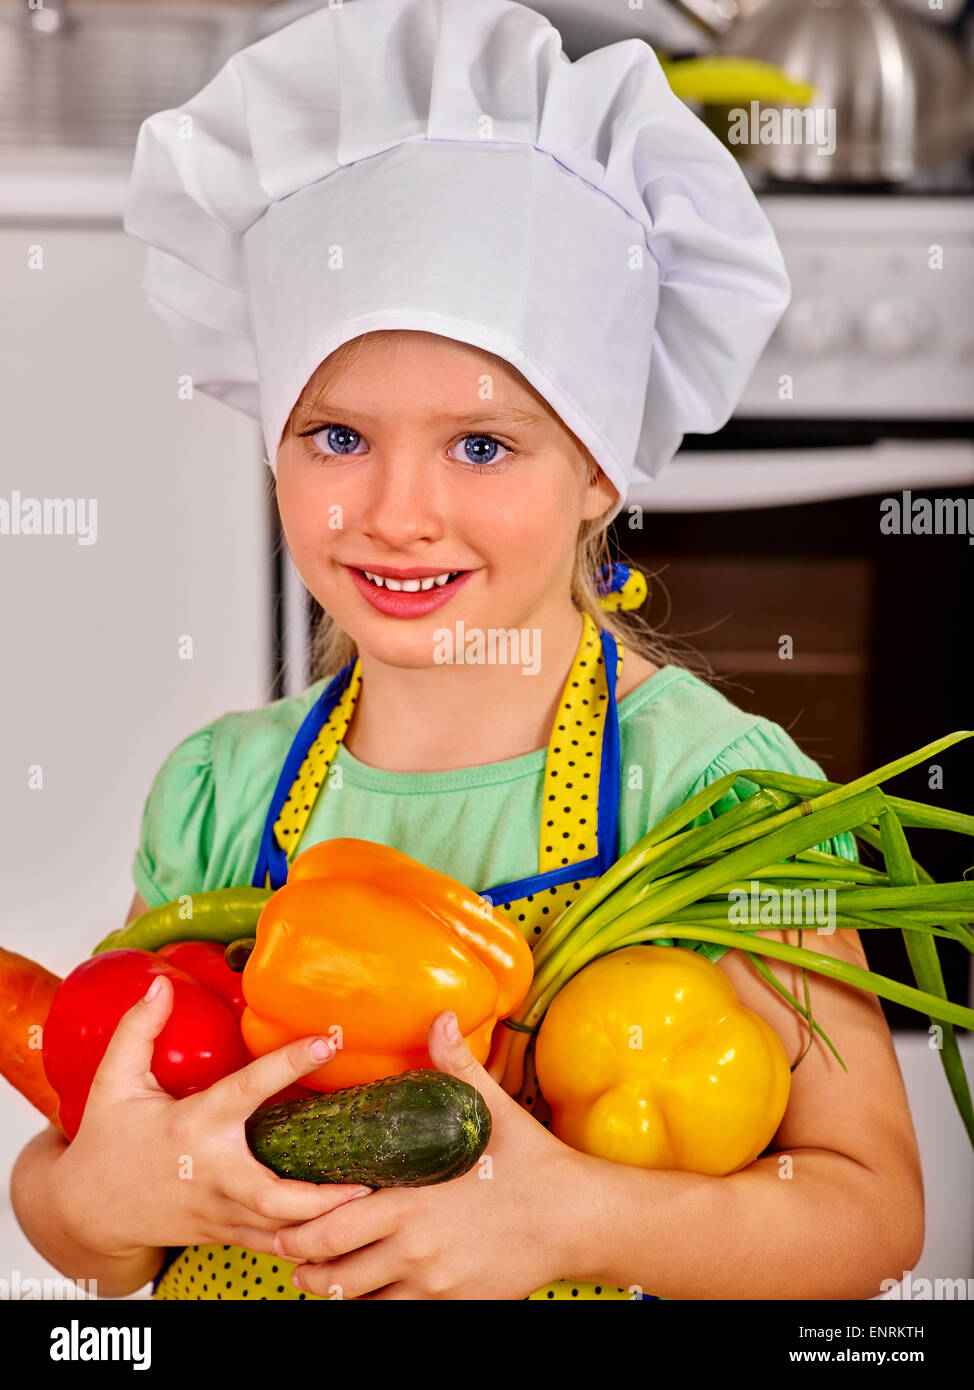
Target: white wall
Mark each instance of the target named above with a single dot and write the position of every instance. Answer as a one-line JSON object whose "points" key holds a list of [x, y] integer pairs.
{"points": [[94, 690]]}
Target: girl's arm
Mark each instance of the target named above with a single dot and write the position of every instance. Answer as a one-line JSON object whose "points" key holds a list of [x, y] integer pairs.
{"points": [[835, 1207], [34, 1189]]}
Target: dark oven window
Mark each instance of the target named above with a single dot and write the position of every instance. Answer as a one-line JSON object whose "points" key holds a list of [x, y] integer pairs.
{"points": [[881, 634]]}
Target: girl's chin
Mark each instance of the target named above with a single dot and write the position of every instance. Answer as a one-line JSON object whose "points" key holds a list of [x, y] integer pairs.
{"points": [[417, 645]]}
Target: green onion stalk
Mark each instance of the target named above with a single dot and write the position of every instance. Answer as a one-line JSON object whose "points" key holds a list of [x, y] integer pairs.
{"points": [[673, 886]]}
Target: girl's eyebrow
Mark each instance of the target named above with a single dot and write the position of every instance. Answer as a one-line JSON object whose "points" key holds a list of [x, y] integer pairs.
{"points": [[508, 414]]}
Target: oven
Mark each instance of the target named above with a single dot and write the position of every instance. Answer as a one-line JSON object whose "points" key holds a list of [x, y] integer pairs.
{"points": [[817, 552]]}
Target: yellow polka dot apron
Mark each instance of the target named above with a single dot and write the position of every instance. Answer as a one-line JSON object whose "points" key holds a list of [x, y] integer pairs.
{"points": [[578, 841]]}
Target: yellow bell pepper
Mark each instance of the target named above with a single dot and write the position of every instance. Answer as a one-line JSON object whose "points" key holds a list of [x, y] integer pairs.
{"points": [[646, 1057]]}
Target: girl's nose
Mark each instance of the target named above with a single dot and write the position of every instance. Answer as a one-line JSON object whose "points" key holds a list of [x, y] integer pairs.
{"points": [[402, 500]]}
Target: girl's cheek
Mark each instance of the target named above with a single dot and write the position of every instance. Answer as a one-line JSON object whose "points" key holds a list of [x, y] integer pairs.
{"points": [[308, 512]]}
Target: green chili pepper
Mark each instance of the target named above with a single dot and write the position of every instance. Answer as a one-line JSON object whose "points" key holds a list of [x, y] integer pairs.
{"points": [[221, 914]]}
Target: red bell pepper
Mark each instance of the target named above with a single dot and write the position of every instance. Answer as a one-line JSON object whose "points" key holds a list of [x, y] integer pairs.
{"points": [[206, 962], [199, 1044]]}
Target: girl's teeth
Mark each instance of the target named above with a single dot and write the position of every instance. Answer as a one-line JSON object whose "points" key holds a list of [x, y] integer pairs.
{"points": [[411, 586]]}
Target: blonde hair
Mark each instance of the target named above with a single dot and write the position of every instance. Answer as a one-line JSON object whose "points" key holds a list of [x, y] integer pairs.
{"points": [[332, 647]]}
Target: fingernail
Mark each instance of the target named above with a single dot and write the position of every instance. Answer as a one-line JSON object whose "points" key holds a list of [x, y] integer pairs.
{"points": [[320, 1049], [453, 1028], [362, 1192], [295, 1279], [153, 990], [278, 1245]]}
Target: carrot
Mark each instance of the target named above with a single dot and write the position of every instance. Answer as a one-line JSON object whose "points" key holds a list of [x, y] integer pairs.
{"points": [[26, 992]]}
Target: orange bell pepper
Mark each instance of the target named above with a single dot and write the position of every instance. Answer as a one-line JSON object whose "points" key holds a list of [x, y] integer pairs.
{"points": [[367, 945]]}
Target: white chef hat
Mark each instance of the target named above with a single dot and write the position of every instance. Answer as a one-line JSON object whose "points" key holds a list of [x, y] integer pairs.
{"points": [[442, 165]]}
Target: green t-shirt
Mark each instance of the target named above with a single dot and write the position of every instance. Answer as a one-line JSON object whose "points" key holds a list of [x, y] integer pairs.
{"points": [[205, 812]]}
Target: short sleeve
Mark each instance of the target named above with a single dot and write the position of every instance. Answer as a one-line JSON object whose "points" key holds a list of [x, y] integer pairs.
{"points": [[178, 823], [765, 745]]}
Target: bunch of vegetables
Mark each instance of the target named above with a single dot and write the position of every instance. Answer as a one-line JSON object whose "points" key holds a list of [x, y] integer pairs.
{"points": [[366, 945], [363, 944], [674, 885]]}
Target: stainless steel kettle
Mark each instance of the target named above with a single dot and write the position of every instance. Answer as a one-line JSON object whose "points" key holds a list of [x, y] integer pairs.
{"points": [[900, 92]]}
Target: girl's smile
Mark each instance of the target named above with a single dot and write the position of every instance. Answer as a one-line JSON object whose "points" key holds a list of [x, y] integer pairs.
{"points": [[414, 594]]}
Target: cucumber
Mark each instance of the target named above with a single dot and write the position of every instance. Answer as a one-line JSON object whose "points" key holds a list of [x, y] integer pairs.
{"points": [[410, 1130]]}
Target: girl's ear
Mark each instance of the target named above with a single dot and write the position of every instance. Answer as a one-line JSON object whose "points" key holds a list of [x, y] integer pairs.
{"points": [[600, 494]]}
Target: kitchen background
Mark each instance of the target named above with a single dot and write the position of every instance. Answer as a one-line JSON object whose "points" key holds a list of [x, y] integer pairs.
{"points": [[769, 528]]}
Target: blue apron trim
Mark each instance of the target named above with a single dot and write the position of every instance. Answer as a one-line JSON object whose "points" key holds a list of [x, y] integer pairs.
{"points": [[271, 857], [535, 883], [609, 775]]}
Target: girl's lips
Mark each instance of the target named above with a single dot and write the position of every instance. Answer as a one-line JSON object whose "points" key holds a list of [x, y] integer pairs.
{"points": [[399, 604]]}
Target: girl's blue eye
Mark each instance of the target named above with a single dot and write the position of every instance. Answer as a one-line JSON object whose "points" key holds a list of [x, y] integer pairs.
{"points": [[480, 449], [340, 439]]}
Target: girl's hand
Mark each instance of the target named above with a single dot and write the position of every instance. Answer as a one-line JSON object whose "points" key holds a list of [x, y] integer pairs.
{"points": [[501, 1231], [147, 1170]]}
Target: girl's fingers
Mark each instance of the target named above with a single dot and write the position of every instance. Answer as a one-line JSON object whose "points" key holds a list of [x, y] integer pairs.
{"points": [[339, 1233], [258, 1240], [239, 1214], [237, 1096], [127, 1063], [288, 1200], [353, 1276]]}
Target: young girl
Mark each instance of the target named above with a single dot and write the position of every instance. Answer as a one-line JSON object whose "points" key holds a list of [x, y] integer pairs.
{"points": [[409, 452]]}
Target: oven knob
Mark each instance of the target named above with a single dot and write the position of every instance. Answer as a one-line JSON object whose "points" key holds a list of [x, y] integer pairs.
{"points": [[815, 327], [896, 327]]}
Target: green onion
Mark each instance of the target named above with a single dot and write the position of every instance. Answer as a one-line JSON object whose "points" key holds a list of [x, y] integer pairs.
{"points": [[673, 886]]}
